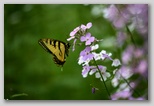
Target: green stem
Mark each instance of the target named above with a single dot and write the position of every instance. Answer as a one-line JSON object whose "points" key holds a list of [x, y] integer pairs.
{"points": [[131, 36], [129, 32], [129, 85], [102, 79]]}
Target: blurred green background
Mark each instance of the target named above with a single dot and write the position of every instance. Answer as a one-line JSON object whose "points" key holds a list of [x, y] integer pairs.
{"points": [[29, 71]]}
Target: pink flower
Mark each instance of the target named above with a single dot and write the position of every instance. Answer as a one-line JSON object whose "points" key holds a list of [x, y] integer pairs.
{"points": [[121, 94], [86, 54], [85, 71], [87, 38]]}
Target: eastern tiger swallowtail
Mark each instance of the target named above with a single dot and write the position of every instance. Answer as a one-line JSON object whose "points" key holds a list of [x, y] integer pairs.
{"points": [[57, 48]]}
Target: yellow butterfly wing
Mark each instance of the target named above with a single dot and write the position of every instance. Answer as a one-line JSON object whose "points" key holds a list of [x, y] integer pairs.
{"points": [[57, 48]]}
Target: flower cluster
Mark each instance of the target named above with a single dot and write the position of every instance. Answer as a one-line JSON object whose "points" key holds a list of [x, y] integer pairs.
{"points": [[88, 57], [133, 72], [134, 58], [134, 15]]}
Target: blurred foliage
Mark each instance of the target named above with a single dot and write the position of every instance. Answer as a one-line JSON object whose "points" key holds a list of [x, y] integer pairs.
{"points": [[29, 71]]}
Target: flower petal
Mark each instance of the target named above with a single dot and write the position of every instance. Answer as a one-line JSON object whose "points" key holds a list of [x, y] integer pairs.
{"points": [[107, 74], [88, 35], [82, 38], [74, 44], [72, 37], [89, 25], [104, 77], [97, 75], [94, 47], [116, 62]]}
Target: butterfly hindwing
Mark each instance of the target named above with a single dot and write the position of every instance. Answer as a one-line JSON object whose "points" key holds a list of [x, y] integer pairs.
{"points": [[57, 48]]}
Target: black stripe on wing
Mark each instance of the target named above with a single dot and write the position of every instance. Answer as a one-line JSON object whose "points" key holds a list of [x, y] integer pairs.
{"points": [[44, 46], [67, 46]]}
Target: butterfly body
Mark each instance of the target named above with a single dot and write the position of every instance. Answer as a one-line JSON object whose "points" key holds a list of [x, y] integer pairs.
{"points": [[57, 48]]}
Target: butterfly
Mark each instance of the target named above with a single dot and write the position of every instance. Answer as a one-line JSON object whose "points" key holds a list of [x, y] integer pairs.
{"points": [[57, 48]]}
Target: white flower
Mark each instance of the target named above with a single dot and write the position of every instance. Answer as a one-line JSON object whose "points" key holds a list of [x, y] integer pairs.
{"points": [[102, 55], [94, 47], [85, 71], [124, 87], [93, 70], [83, 62], [104, 74], [115, 82], [80, 60], [102, 52], [105, 55], [116, 79], [116, 62], [97, 56]]}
